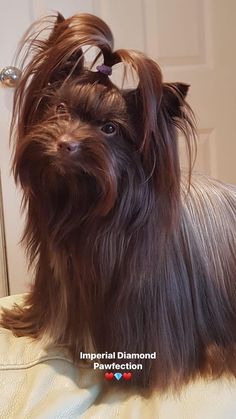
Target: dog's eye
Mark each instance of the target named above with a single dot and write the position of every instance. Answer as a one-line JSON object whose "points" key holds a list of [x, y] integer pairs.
{"points": [[61, 108], [109, 128]]}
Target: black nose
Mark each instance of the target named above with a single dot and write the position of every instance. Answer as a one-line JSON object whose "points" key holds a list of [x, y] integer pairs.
{"points": [[68, 147]]}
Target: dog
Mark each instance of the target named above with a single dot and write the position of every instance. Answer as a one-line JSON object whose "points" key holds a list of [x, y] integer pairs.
{"points": [[129, 253]]}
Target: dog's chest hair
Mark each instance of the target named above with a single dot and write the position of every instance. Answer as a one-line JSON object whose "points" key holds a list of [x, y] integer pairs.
{"points": [[58, 263]]}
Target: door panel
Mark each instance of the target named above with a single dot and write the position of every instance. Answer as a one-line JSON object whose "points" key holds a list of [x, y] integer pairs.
{"points": [[15, 17]]}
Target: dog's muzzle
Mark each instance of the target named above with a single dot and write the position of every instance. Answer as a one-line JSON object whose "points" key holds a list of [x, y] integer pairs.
{"points": [[68, 147]]}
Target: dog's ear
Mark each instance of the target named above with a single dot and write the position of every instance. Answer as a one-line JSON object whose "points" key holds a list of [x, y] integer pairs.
{"points": [[60, 18], [62, 70], [174, 95], [56, 29], [158, 111], [74, 62]]}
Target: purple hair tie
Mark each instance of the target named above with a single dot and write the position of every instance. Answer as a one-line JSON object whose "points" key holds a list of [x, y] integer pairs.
{"points": [[104, 69]]}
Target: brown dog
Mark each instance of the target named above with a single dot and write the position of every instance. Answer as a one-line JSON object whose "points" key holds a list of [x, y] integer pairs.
{"points": [[129, 256]]}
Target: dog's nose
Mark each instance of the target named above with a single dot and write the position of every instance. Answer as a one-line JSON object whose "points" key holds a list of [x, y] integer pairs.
{"points": [[68, 147]]}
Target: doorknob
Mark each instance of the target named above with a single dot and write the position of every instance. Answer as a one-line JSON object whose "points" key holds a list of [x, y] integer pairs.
{"points": [[10, 76]]}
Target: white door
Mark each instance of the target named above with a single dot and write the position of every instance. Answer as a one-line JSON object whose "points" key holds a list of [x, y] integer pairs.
{"points": [[192, 40]]}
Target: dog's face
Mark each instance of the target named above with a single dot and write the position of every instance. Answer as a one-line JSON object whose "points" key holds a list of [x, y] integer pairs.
{"points": [[86, 150], [81, 151], [94, 133]]}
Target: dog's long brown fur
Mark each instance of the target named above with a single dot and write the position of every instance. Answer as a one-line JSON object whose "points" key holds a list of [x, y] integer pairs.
{"points": [[129, 256]]}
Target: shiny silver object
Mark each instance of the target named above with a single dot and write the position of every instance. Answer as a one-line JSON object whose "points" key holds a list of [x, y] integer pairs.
{"points": [[10, 76]]}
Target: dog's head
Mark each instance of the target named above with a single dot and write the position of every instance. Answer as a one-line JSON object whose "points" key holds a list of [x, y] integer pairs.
{"points": [[87, 149]]}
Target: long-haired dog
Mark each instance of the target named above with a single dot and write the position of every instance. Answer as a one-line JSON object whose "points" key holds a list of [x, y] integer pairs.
{"points": [[129, 255]]}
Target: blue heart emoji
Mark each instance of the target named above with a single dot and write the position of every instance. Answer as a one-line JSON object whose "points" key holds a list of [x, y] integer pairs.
{"points": [[118, 375]]}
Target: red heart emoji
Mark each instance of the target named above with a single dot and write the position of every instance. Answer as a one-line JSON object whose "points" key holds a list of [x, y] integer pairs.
{"points": [[127, 375], [109, 375]]}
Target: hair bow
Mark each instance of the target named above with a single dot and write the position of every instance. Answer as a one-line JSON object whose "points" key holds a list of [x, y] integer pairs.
{"points": [[122, 74]]}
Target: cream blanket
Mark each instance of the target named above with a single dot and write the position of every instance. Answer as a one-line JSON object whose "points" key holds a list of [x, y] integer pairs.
{"points": [[43, 383]]}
